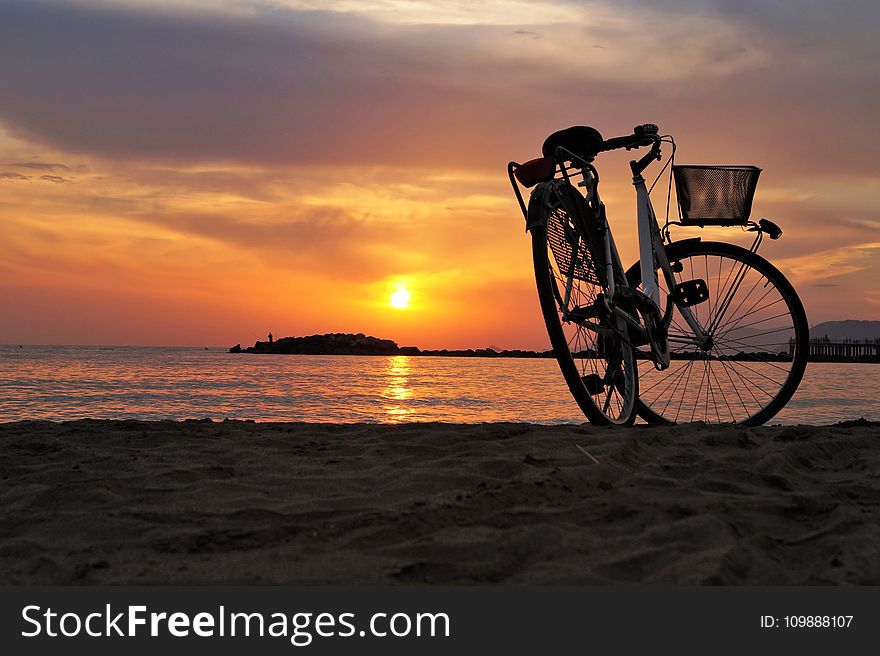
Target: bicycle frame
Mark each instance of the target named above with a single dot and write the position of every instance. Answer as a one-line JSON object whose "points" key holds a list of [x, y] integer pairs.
{"points": [[652, 256], [652, 251]]}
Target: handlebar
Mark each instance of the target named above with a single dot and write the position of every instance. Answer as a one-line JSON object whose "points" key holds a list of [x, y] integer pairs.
{"points": [[643, 135]]}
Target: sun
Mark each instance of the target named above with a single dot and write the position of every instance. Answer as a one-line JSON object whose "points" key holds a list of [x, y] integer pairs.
{"points": [[399, 299]]}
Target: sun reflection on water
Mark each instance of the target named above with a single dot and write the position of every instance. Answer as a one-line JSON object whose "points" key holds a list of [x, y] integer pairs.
{"points": [[397, 390]]}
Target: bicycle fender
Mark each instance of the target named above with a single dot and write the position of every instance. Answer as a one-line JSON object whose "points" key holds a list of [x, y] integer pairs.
{"points": [[681, 242], [540, 198], [670, 248]]}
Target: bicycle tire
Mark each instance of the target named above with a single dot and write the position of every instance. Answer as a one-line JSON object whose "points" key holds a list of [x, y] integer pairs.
{"points": [[753, 379], [605, 361]]}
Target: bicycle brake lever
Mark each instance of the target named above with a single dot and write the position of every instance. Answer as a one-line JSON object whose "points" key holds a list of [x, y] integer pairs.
{"points": [[646, 130]]}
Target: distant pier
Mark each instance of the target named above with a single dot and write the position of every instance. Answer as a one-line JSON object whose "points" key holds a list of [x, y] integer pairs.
{"points": [[822, 348]]}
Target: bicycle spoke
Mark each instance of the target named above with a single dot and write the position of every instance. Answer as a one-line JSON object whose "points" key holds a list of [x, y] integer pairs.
{"points": [[753, 323], [746, 385], [728, 297], [737, 323], [675, 389], [743, 343], [734, 387], [750, 311], [687, 381], [733, 344], [723, 397], [757, 373], [644, 392], [699, 391]]}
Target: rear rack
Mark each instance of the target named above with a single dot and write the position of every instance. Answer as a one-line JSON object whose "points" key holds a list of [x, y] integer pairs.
{"points": [[560, 171]]}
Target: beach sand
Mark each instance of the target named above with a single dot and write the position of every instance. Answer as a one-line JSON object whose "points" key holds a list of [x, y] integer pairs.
{"points": [[242, 502]]}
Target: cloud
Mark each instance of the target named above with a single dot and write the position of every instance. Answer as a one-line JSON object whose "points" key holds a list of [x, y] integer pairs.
{"points": [[41, 166], [11, 175], [448, 12], [278, 84], [57, 179], [832, 263]]}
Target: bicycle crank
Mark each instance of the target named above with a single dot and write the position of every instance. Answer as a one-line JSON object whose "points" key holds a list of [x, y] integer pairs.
{"points": [[655, 329], [594, 383], [657, 337]]}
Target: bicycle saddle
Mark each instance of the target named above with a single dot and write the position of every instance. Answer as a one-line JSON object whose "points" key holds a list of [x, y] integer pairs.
{"points": [[581, 140]]}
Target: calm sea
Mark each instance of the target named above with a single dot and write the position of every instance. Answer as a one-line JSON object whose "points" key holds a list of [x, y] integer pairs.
{"points": [[71, 382]]}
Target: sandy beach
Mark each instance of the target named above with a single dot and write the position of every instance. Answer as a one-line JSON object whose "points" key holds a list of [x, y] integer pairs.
{"points": [[242, 502]]}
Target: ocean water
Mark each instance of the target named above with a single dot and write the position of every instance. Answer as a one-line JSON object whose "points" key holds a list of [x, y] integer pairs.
{"points": [[72, 382]]}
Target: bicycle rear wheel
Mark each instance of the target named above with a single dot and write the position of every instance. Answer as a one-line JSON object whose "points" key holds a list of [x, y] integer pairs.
{"points": [[759, 339], [591, 346]]}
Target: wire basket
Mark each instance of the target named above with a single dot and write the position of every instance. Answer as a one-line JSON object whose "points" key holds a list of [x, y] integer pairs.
{"points": [[715, 195]]}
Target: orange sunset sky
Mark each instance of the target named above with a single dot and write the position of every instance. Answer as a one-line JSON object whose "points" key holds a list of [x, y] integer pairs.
{"points": [[199, 173]]}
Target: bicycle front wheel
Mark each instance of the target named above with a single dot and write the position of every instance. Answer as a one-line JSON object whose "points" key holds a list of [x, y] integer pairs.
{"points": [[592, 348], [755, 351]]}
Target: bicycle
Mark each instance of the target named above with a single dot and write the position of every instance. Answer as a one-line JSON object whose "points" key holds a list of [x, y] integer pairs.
{"points": [[694, 330]]}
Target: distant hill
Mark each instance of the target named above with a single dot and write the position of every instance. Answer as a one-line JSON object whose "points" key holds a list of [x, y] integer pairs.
{"points": [[847, 329]]}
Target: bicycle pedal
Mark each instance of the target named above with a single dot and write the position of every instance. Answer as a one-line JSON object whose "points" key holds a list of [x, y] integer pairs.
{"points": [[691, 292], [579, 313], [637, 337], [594, 383]]}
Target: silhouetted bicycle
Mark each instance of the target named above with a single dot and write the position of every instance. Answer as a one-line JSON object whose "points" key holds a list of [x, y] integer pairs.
{"points": [[695, 330]]}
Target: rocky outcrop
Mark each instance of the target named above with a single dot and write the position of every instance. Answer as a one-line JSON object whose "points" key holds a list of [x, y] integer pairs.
{"points": [[329, 344], [360, 344]]}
